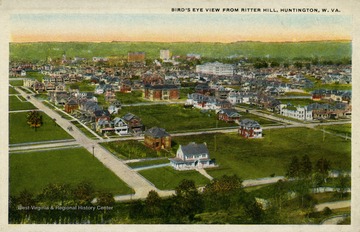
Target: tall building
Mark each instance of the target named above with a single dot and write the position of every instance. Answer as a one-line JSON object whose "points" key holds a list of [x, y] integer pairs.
{"points": [[216, 68], [165, 54]]}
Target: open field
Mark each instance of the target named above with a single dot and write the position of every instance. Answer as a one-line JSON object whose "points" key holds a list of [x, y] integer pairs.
{"points": [[16, 104], [257, 158], [16, 82], [298, 102], [343, 129], [175, 118], [167, 178], [130, 98], [34, 170], [133, 150], [335, 50], [12, 91], [21, 132]]}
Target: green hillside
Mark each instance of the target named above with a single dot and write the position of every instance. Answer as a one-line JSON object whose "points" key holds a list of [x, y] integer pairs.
{"points": [[334, 50]]}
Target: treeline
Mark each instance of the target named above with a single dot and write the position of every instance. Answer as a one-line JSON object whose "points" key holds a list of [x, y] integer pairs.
{"points": [[222, 201]]}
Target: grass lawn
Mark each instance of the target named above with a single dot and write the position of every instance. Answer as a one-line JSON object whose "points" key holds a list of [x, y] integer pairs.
{"points": [[130, 98], [35, 75], [301, 102], [84, 130], [21, 132], [256, 158], [175, 118], [16, 104], [297, 94], [133, 150], [12, 91], [343, 129], [16, 82], [167, 178], [34, 170], [148, 163]]}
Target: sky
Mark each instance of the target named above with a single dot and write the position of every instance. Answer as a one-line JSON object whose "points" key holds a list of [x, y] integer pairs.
{"points": [[178, 27]]}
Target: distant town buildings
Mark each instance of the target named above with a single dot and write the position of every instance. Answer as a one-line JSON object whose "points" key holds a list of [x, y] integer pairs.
{"points": [[100, 59], [136, 57], [161, 92], [216, 68], [165, 55]]}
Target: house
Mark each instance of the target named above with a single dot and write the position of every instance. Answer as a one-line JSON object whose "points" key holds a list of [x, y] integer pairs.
{"points": [[134, 123], [71, 105], [228, 115], [250, 129], [104, 125], [192, 156], [157, 138], [120, 126], [298, 112], [161, 92]]}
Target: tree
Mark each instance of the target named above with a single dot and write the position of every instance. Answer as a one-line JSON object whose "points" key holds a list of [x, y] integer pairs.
{"points": [[293, 170], [84, 193], [323, 167], [305, 167], [153, 204], [188, 200], [342, 184], [105, 199], [224, 192], [56, 193], [254, 211], [34, 119], [280, 193]]}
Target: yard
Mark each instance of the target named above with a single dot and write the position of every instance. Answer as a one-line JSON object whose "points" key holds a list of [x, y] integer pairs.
{"points": [[256, 158], [19, 103], [133, 150], [21, 132], [34, 170], [12, 91], [343, 129], [176, 118], [167, 178]]}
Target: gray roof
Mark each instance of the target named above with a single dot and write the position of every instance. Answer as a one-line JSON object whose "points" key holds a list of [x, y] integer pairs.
{"points": [[194, 149], [249, 123], [157, 132]]}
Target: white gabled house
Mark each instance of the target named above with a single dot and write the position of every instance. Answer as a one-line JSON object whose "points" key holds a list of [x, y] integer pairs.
{"points": [[192, 156], [120, 126]]}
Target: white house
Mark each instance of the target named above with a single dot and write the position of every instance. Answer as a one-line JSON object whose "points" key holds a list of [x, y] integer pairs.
{"points": [[192, 156], [297, 112], [120, 126]]}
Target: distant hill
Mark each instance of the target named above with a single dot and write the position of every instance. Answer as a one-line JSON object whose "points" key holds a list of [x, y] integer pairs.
{"points": [[334, 50]]}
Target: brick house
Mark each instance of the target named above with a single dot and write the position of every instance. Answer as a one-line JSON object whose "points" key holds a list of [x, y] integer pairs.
{"points": [[71, 105], [250, 129], [161, 92], [134, 123], [157, 138], [228, 115]]}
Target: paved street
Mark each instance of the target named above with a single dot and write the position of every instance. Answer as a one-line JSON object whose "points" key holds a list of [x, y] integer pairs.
{"points": [[135, 181]]}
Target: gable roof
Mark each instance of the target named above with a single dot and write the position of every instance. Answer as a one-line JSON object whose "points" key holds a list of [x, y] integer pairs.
{"points": [[157, 132], [194, 149], [249, 123]]}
